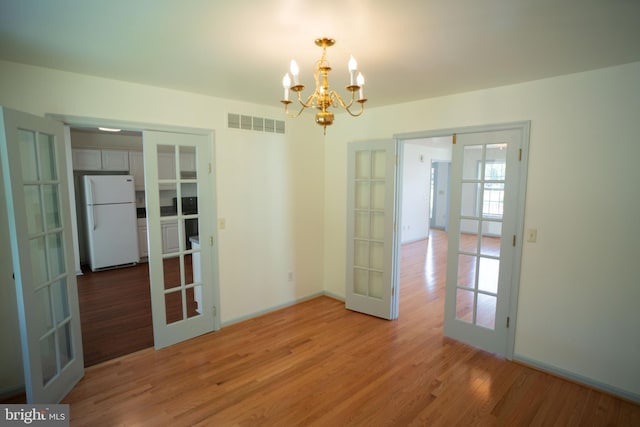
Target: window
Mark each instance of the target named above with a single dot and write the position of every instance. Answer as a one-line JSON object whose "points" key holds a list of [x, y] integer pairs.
{"points": [[493, 186]]}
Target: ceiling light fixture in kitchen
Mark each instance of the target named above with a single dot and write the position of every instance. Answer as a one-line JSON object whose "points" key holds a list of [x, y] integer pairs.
{"points": [[323, 98]]}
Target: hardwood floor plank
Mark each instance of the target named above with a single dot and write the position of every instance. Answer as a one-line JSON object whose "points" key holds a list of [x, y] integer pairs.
{"points": [[318, 364]]}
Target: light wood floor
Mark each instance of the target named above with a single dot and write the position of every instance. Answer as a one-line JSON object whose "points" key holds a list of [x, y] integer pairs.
{"points": [[316, 363]]}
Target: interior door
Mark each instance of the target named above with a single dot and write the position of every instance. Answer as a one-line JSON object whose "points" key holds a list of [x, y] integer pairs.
{"points": [[183, 286], [371, 277], [485, 176], [37, 201]]}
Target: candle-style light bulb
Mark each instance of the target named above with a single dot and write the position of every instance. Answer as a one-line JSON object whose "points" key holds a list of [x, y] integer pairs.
{"points": [[295, 71], [361, 84], [286, 84], [353, 67]]}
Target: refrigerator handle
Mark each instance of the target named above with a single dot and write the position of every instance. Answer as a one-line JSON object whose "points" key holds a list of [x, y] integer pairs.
{"points": [[93, 204]]}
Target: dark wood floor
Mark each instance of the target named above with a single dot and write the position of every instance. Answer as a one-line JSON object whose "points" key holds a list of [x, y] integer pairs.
{"points": [[115, 312], [115, 308], [318, 364]]}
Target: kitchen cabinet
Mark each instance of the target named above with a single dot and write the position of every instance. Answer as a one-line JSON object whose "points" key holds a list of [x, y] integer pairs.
{"points": [[136, 169], [143, 250], [166, 166], [187, 162], [86, 159], [170, 240], [170, 237], [115, 160], [90, 159]]}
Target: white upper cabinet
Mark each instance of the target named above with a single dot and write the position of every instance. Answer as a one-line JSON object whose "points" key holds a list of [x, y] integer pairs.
{"points": [[187, 161], [89, 159], [115, 160], [136, 169]]}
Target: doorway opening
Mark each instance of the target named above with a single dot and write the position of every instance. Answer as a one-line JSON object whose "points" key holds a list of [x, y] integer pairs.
{"points": [[485, 191], [115, 303]]}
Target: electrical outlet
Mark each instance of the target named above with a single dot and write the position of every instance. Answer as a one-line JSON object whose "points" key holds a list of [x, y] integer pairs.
{"points": [[532, 235], [222, 223]]}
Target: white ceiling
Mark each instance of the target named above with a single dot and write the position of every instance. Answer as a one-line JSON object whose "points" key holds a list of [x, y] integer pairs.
{"points": [[240, 49]]}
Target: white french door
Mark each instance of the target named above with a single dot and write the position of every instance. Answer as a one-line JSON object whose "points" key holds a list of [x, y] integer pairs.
{"points": [[371, 175], [37, 201], [182, 262], [484, 238]]}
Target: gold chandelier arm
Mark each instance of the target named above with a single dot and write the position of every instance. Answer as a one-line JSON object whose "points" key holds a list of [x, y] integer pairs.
{"points": [[361, 101], [303, 106], [335, 97]]}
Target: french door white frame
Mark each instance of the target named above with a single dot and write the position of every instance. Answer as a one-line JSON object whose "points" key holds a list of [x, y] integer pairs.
{"points": [[524, 126], [79, 121]]}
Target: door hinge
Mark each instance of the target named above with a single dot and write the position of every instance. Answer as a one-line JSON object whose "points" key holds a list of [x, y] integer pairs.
{"points": [[454, 139], [209, 167], [215, 311], [508, 318], [520, 154], [514, 240], [393, 291], [210, 240], [395, 227]]}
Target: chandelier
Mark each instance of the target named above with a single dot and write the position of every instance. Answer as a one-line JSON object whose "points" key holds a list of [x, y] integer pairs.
{"points": [[322, 98]]}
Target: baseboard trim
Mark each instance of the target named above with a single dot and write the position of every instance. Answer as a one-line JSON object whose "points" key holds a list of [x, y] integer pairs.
{"points": [[577, 378], [334, 296], [270, 309]]}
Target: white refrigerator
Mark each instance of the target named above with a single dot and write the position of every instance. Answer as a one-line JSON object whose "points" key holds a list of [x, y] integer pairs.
{"points": [[111, 221]]}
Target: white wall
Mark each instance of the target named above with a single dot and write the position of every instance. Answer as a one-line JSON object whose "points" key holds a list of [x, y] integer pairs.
{"points": [[579, 284], [441, 198], [416, 190], [269, 186]]}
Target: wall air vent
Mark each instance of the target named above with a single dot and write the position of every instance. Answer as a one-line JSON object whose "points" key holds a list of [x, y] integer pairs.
{"points": [[258, 124]]}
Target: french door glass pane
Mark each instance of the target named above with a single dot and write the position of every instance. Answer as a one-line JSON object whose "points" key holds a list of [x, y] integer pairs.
{"points": [[467, 271], [360, 281], [173, 306], [482, 198], [464, 305], [47, 157], [378, 164], [363, 165], [486, 313], [361, 226], [38, 261], [51, 208], [369, 216], [361, 253], [377, 195], [60, 300], [488, 274], [34, 212], [55, 253], [377, 225], [42, 311], [363, 195], [470, 157], [28, 156], [64, 345], [375, 284], [48, 358]]}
